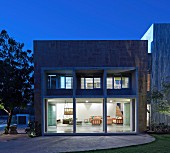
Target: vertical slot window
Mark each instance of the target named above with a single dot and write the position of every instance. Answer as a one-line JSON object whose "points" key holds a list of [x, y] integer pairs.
{"points": [[89, 83], [117, 82], [68, 82], [110, 83], [82, 83], [97, 83], [62, 82], [125, 82]]}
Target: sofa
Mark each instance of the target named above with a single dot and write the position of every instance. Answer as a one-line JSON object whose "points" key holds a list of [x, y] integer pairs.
{"points": [[95, 120], [118, 120], [109, 120]]}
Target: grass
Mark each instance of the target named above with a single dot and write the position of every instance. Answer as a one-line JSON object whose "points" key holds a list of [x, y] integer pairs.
{"points": [[160, 145]]}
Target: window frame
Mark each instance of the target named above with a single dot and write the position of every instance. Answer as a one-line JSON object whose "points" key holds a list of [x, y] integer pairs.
{"points": [[121, 76], [92, 83], [58, 81]]}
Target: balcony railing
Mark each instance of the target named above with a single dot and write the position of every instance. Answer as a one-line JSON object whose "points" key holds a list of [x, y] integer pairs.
{"points": [[89, 91], [119, 92], [58, 92]]}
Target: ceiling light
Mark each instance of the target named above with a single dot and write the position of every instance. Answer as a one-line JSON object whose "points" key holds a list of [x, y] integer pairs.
{"points": [[111, 101], [87, 101]]}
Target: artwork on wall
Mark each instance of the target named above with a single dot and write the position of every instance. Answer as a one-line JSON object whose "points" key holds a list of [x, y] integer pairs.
{"points": [[68, 111]]}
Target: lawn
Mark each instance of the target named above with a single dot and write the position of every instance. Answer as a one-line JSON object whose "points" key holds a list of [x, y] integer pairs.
{"points": [[161, 145]]}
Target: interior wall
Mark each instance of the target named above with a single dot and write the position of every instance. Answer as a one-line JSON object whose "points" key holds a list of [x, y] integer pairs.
{"points": [[85, 110], [60, 110], [111, 109]]}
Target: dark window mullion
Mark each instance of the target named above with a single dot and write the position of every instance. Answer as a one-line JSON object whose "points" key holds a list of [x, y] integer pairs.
{"points": [[121, 80], [113, 82], [93, 82], [50, 82], [65, 82]]}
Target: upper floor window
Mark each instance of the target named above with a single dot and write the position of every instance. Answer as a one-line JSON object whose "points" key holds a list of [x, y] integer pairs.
{"points": [[109, 83], [125, 82], [60, 82], [118, 82], [90, 83]]}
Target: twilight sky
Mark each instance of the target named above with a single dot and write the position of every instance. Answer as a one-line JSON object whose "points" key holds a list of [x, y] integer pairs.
{"points": [[28, 20]]}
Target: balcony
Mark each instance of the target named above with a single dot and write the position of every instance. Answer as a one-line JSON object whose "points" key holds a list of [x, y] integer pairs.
{"points": [[59, 92]]}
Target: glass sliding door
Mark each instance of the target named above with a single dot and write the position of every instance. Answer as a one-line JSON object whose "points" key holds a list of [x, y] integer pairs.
{"points": [[51, 114], [60, 115], [89, 115], [120, 115]]}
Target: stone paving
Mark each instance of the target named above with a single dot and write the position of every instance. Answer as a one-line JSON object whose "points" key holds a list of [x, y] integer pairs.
{"points": [[21, 143]]}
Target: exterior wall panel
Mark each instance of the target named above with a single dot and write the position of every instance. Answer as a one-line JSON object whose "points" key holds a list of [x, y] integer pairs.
{"points": [[91, 53]]}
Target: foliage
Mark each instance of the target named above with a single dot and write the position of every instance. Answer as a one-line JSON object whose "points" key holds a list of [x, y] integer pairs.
{"points": [[161, 98], [160, 128], [16, 77], [6, 130], [34, 129]]}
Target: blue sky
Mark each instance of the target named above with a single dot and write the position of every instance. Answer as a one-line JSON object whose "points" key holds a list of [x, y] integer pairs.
{"points": [[28, 20]]}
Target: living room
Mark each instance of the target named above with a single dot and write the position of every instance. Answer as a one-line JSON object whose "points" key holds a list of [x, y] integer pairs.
{"points": [[89, 115]]}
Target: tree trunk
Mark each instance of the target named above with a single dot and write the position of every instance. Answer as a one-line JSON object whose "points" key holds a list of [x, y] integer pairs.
{"points": [[9, 119]]}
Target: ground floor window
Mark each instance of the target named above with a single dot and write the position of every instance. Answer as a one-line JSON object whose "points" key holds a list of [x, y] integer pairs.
{"points": [[90, 115], [120, 115], [60, 115]]}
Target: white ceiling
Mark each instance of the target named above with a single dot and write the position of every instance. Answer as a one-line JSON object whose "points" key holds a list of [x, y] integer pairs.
{"points": [[89, 100]]}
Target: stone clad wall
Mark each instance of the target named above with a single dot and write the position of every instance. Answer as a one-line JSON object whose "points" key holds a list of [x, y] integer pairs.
{"points": [[160, 54], [160, 63], [92, 53]]}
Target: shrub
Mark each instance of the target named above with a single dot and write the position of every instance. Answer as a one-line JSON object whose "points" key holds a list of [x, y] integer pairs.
{"points": [[160, 128], [34, 129]]}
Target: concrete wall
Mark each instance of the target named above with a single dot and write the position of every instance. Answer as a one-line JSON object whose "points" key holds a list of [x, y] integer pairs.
{"points": [[92, 53], [149, 36]]}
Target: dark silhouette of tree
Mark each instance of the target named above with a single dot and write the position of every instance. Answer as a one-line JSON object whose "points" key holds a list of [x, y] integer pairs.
{"points": [[16, 75]]}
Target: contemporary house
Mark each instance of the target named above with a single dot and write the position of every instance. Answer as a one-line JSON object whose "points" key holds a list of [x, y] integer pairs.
{"points": [[158, 36], [91, 87]]}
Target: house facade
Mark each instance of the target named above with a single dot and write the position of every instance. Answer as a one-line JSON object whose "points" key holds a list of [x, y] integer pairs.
{"points": [[90, 87]]}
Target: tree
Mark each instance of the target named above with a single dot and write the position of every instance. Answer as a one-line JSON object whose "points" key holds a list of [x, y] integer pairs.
{"points": [[161, 98], [16, 76]]}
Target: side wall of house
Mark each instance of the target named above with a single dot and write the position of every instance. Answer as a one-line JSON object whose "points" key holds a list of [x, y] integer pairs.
{"points": [[160, 64]]}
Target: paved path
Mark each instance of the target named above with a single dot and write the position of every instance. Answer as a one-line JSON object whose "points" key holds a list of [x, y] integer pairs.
{"points": [[21, 143]]}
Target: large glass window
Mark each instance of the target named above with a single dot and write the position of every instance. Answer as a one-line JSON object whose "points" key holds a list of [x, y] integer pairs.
{"points": [[60, 82], [90, 83], [89, 115], [60, 115], [120, 115]]}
